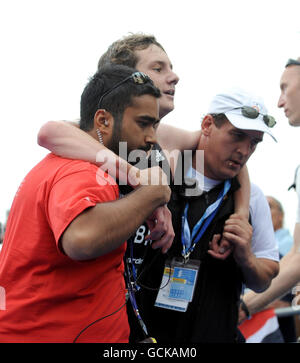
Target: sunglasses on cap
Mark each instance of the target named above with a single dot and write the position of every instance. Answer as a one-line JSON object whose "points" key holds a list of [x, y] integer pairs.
{"points": [[251, 112], [292, 62], [136, 77]]}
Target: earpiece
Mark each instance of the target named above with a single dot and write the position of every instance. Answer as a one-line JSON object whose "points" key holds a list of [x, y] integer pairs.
{"points": [[100, 138]]}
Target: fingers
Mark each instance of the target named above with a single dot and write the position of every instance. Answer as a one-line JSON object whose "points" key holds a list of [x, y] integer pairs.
{"points": [[239, 233], [224, 245], [220, 250], [237, 229], [161, 229], [151, 176], [157, 229], [164, 243], [236, 219], [162, 239], [235, 239], [214, 245], [242, 316], [220, 256], [158, 223], [151, 225]]}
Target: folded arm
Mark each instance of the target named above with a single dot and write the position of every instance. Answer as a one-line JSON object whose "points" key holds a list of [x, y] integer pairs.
{"points": [[103, 228], [66, 140]]}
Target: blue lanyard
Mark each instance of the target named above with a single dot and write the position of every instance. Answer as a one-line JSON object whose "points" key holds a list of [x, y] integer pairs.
{"points": [[200, 227]]}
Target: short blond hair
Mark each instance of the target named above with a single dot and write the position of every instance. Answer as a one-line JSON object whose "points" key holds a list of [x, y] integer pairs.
{"points": [[123, 50]]}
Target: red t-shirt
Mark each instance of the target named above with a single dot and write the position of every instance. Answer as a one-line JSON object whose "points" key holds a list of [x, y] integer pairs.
{"points": [[50, 297]]}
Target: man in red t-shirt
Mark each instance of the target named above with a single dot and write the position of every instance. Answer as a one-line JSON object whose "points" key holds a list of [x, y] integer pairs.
{"points": [[61, 266]]}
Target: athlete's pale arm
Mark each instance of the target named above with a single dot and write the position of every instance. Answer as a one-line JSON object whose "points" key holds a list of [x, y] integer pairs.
{"points": [[66, 140], [172, 138], [242, 195]]}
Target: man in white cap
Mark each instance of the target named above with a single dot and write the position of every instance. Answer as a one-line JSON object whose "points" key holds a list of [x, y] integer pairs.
{"points": [[197, 299], [289, 274]]}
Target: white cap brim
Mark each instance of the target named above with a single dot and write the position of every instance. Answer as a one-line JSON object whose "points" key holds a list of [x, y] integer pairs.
{"points": [[241, 122]]}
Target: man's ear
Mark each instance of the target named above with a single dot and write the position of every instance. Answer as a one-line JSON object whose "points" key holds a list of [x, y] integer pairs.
{"points": [[103, 120], [207, 125]]}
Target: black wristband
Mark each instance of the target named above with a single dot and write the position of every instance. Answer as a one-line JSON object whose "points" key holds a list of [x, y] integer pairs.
{"points": [[244, 307]]}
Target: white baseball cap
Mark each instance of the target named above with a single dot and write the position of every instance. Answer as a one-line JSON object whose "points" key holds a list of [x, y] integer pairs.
{"points": [[237, 105]]}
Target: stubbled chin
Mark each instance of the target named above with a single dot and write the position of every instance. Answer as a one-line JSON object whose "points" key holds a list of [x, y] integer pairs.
{"points": [[231, 173], [163, 110], [294, 123]]}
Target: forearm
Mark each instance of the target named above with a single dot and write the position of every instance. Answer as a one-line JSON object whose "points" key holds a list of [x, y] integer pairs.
{"points": [[258, 273], [242, 195], [172, 138], [66, 140], [105, 227], [287, 278]]}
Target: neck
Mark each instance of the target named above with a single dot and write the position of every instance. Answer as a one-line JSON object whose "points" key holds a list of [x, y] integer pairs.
{"points": [[203, 183], [199, 163]]}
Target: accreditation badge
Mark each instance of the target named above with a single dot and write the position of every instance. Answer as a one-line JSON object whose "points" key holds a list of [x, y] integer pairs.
{"points": [[178, 284]]}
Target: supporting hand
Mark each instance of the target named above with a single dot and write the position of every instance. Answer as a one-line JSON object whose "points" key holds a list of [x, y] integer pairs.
{"points": [[220, 250], [161, 228]]}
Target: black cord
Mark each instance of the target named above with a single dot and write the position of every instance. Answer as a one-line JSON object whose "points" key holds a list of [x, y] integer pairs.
{"points": [[96, 321], [145, 269], [145, 287]]}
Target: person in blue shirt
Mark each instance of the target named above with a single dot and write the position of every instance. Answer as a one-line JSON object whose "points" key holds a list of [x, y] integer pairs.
{"points": [[285, 243], [283, 235]]}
